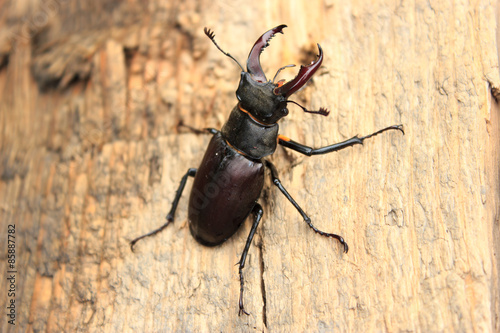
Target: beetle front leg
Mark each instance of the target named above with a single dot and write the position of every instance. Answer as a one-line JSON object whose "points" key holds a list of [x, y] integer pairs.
{"points": [[210, 130], [287, 142], [258, 212], [307, 219], [170, 216]]}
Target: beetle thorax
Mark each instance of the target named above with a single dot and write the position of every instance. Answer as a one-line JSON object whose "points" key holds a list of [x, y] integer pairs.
{"points": [[249, 137]]}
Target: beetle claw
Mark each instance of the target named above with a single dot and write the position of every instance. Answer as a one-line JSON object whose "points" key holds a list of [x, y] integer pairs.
{"points": [[346, 247], [242, 309], [343, 242], [401, 128]]}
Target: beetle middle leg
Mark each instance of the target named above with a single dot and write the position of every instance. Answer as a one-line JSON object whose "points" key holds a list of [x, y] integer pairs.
{"points": [[307, 219], [170, 216], [258, 212]]}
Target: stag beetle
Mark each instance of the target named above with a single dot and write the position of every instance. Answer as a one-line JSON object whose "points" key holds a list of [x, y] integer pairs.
{"points": [[231, 175]]}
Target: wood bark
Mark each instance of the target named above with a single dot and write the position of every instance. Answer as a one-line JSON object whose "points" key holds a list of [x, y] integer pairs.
{"points": [[91, 93]]}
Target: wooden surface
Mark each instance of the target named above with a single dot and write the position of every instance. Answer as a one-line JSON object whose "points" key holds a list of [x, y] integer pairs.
{"points": [[90, 96]]}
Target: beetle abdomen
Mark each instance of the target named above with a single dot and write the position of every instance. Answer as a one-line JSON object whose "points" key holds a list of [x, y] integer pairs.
{"points": [[225, 189]]}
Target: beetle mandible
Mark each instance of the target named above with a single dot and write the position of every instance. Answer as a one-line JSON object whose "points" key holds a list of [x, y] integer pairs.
{"points": [[230, 177]]}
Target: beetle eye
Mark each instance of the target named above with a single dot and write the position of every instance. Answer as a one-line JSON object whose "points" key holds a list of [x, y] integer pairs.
{"points": [[284, 111]]}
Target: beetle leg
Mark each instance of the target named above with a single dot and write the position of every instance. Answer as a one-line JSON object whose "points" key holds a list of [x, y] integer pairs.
{"points": [[170, 216], [197, 131], [211, 130], [286, 142], [258, 212], [307, 219]]}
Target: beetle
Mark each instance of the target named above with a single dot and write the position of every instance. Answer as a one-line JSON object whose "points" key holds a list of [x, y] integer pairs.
{"points": [[230, 178]]}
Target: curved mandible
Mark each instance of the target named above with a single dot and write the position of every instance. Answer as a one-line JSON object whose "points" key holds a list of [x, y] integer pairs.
{"points": [[305, 73], [253, 62]]}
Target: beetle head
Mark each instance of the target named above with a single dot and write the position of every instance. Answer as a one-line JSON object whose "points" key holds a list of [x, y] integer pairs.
{"points": [[265, 100]]}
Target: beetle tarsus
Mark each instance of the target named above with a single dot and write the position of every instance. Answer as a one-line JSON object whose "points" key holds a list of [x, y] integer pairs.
{"points": [[258, 212], [326, 234], [242, 309], [307, 219], [399, 127], [170, 216], [151, 233]]}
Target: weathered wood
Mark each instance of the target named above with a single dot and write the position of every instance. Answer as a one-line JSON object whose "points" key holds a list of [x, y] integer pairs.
{"points": [[90, 96]]}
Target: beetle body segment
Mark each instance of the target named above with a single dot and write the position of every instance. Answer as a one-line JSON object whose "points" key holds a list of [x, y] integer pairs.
{"points": [[260, 100], [225, 190], [248, 136]]}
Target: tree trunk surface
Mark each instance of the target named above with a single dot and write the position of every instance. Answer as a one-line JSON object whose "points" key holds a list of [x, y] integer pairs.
{"points": [[91, 95]]}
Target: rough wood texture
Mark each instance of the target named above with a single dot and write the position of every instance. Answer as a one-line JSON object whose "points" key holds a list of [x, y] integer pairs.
{"points": [[90, 96]]}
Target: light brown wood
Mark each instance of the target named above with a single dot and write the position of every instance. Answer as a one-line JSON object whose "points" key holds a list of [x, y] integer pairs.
{"points": [[91, 93]]}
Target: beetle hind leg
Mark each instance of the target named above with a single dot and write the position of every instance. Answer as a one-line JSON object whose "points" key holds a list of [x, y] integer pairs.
{"points": [[307, 219], [258, 212], [170, 216]]}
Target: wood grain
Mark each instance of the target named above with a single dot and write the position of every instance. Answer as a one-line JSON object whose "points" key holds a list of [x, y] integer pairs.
{"points": [[91, 93]]}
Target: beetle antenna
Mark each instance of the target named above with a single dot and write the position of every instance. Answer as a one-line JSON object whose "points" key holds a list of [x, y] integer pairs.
{"points": [[279, 70], [210, 34], [322, 111]]}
